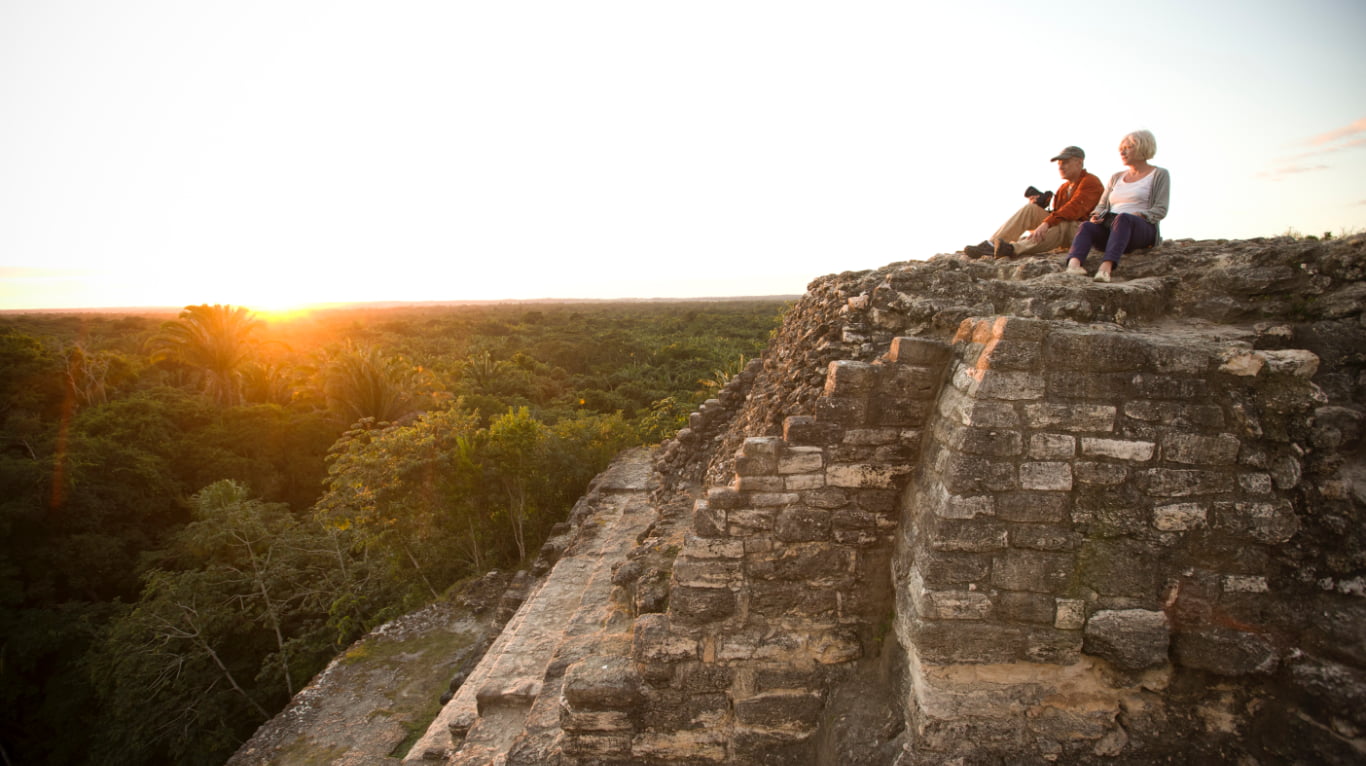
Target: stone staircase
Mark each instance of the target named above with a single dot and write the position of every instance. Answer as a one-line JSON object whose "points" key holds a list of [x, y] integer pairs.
{"points": [[507, 711]]}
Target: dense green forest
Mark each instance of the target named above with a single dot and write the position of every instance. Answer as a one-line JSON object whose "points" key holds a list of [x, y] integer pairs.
{"points": [[200, 510]]}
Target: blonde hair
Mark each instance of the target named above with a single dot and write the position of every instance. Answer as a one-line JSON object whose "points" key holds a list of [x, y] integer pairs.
{"points": [[1144, 143]]}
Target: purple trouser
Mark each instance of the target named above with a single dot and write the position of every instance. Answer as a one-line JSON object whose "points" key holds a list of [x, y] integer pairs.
{"points": [[1125, 234]]}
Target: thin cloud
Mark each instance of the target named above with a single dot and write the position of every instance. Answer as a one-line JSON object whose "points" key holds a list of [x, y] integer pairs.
{"points": [[1289, 170], [1333, 135], [1324, 143]]}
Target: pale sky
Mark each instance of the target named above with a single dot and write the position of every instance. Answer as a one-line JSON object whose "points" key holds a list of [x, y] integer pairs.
{"points": [[267, 153]]}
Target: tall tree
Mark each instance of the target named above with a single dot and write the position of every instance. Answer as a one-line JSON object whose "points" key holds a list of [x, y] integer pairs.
{"points": [[361, 382], [216, 341]]}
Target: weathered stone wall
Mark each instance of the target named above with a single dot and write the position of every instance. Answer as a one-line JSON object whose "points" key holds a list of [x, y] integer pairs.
{"points": [[783, 580], [1098, 513]]}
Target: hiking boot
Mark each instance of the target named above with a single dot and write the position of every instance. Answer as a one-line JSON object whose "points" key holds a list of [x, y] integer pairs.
{"points": [[1005, 250], [979, 251]]}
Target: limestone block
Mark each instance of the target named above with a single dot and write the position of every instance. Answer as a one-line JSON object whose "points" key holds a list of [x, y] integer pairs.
{"points": [[675, 746], [1099, 474], [869, 437], [1119, 568], [1151, 386], [596, 721], [849, 378], [973, 535], [1196, 449], [828, 497], [898, 411], [1089, 351], [953, 642], [911, 381], [1270, 522], [921, 351], [958, 507], [805, 430], [706, 573], [1070, 614], [1034, 571], [977, 413], [842, 412], [973, 474], [852, 518], [989, 442], [697, 549], [724, 497], [778, 747], [696, 605], [1132, 639], [603, 683], [1225, 651], [1286, 472], [597, 747], [881, 501], [1242, 363], [776, 598], [1180, 517], [1070, 417], [802, 525], [1255, 483], [1176, 414], [1043, 537], [1046, 476], [1033, 507], [768, 483], [765, 644], [742, 522], [653, 640], [758, 456], [773, 499], [801, 460], [809, 562], [1296, 362], [1067, 384], [951, 569], [708, 520], [1016, 606], [1046, 446], [833, 647], [999, 384], [701, 678], [1135, 451], [1174, 482], [852, 476], [1245, 584], [803, 481], [782, 709]]}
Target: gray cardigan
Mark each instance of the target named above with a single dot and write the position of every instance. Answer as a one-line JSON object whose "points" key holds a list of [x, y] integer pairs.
{"points": [[1157, 201]]}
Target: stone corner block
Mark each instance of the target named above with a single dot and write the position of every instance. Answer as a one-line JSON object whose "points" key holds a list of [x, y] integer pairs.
{"points": [[1131, 639]]}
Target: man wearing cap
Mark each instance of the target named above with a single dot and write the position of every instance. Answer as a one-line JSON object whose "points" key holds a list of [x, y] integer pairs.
{"points": [[1035, 230]]}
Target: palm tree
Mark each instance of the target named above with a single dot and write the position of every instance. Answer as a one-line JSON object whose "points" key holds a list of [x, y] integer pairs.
{"points": [[360, 382], [215, 340]]}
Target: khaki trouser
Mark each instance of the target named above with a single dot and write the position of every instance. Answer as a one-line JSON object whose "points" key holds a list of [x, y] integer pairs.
{"points": [[1028, 218]]}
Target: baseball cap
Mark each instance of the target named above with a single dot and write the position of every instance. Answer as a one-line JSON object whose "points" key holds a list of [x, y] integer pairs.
{"points": [[1071, 151]]}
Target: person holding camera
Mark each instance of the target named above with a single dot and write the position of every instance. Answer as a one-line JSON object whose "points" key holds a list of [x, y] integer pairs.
{"points": [[1032, 229], [1129, 211]]}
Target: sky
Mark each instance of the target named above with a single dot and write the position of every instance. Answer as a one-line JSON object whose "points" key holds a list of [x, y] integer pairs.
{"points": [[275, 153]]}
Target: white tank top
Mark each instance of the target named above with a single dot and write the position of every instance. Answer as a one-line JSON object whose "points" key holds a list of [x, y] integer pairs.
{"points": [[1132, 197]]}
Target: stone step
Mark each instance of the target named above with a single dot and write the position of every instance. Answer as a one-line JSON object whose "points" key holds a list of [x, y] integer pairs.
{"points": [[517, 682]]}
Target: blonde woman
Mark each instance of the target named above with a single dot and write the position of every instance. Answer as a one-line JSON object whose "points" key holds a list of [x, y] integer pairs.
{"points": [[1126, 219]]}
